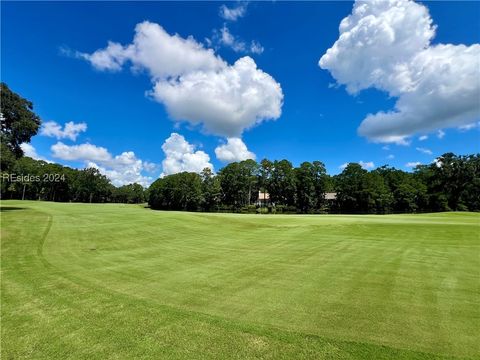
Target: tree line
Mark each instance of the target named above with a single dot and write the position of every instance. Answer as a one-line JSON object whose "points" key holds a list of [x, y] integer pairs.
{"points": [[30, 179], [450, 183]]}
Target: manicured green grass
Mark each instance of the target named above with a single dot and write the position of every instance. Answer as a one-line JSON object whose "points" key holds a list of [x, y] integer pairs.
{"points": [[82, 281]]}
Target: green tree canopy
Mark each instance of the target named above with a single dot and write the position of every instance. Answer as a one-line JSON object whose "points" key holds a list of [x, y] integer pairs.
{"points": [[18, 121]]}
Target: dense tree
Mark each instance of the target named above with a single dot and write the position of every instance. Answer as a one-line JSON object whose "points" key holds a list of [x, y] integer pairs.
{"points": [[211, 190], [321, 183], [91, 186], [7, 158], [282, 187], [18, 124], [376, 196], [451, 183], [251, 171], [305, 186], [409, 194], [349, 187], [469, 198], [359, 191], [265, 176], [182, 191], [38, 180], [239, 183], [129, 194]]}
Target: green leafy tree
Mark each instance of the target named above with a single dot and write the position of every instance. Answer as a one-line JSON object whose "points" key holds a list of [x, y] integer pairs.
{"points": [[282, 183], [239, 183], [321, 183], [18, 123], [349, 187], [182, 191], [211, 190], [91, 186], [409, 194], [129, 194], [305, 186]]}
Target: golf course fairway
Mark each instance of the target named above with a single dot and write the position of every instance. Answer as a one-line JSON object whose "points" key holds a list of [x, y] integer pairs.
{"points": [[111, 281]]}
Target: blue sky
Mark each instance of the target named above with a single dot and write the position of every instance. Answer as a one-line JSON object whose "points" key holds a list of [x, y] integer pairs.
{"points": [[46, 57]]}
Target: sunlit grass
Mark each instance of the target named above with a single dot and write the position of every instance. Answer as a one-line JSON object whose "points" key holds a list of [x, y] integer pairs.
{"points": [[85, 281]]}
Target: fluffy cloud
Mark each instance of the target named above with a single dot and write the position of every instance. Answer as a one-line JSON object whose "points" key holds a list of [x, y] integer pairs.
{"points": [[30, 151], [121, 169], [180, 156], [233, 13], [423, 138], [70, 130], [153, 49], [234, 150], [424, 150], [386, 44], [149, 166], [80, 152], [225, 102], [193, 83]]}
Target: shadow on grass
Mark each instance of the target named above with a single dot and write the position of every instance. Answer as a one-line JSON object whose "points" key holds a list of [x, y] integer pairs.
{"points": [[10, 208]]}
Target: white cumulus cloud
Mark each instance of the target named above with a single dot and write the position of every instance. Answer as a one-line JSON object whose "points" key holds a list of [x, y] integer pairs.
{"points": [[70, 130], [386, 44], [234, 150], [180, 156], [30, 151], [225, 102], [121, 169], [149, 166], [80, 152], [161, 54], [194, 84]]}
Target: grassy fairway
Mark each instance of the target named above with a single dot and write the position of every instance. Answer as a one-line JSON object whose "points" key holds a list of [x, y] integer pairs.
{"points": [[84, 281]]}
